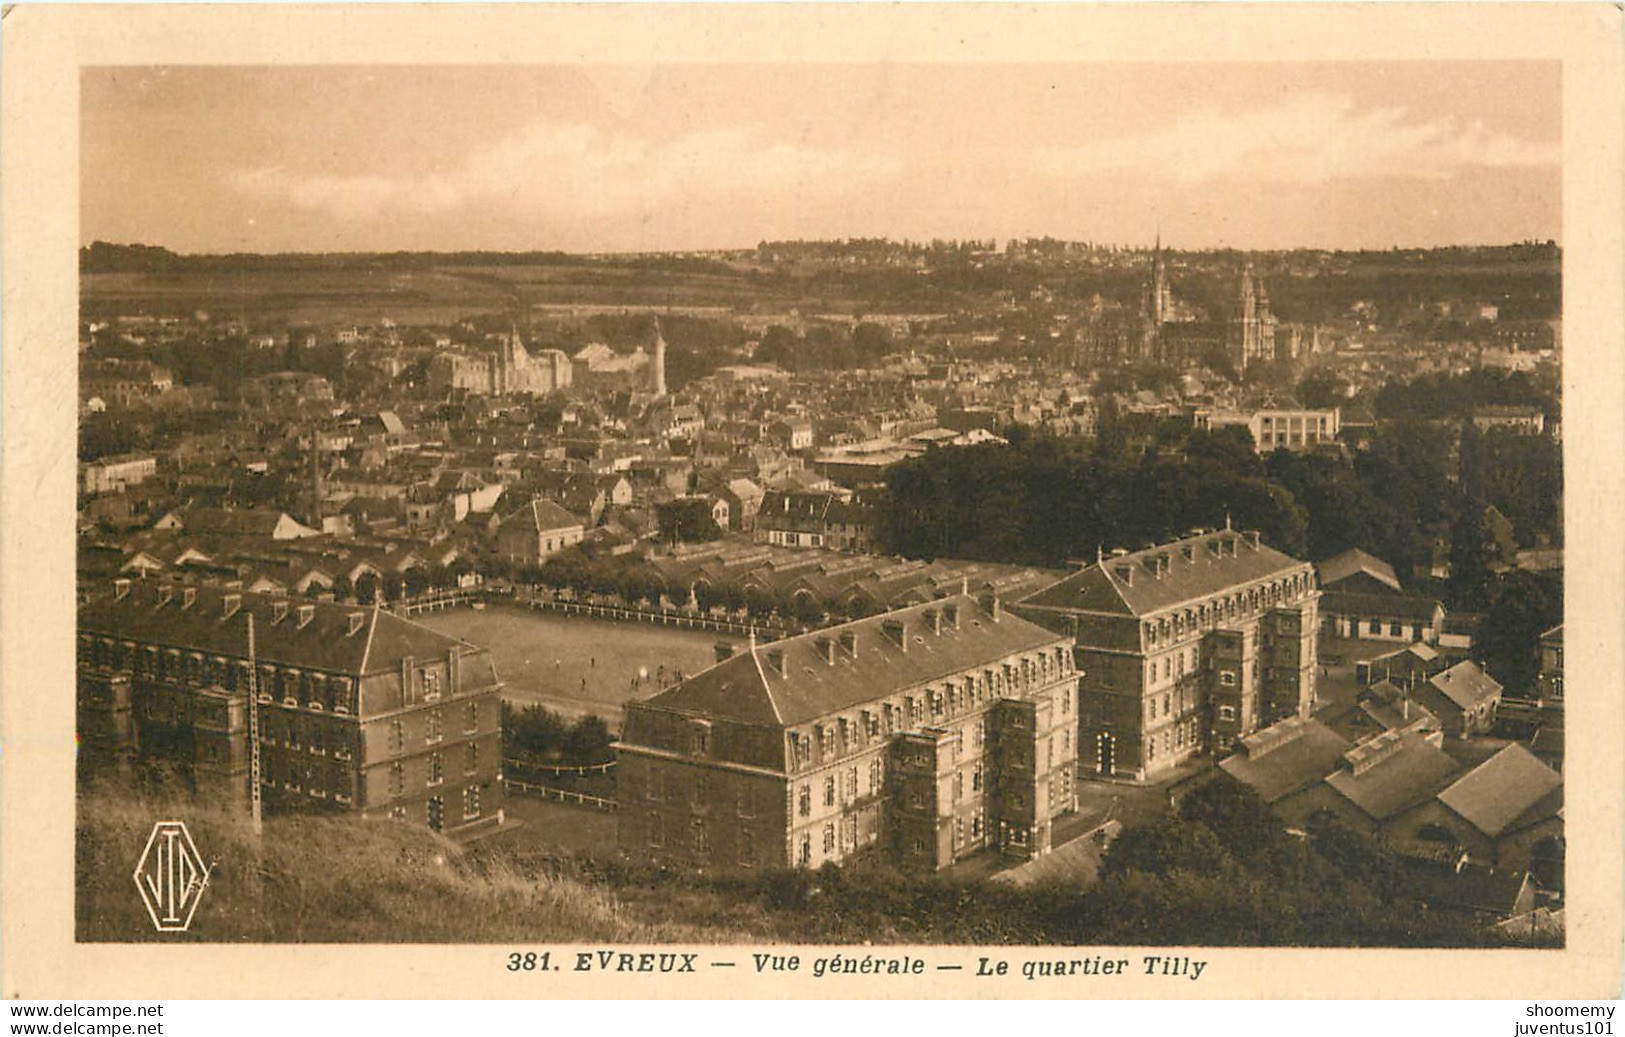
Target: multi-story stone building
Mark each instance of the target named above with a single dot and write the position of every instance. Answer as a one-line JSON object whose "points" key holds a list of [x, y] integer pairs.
{"points": [[1184, 647], [1274, 428], [360, 711], [925, 735]]}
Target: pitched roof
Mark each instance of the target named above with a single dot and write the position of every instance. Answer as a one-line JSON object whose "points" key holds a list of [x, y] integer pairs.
{"points": [[1410, 772], [1504, 792], [1302, 753], [749, 688], [1465, 684], [1342, 566], [325, 642], [1379, 606], [541, 515], [1145, 581]]}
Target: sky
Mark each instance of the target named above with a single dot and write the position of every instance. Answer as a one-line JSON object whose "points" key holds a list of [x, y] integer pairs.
{"points": [[689, 157]]}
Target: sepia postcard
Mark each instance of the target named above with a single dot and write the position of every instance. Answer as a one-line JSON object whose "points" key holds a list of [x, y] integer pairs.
{"points": [[802, 501]]}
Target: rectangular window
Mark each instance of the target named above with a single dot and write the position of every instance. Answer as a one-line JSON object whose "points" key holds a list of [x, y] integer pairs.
{"points": [[829, 837], [657, 829], [471, 802], [397, 779], [431, 685], [701, 837], [804, 801], [1227, 678], [829, 791], [471, 762], [471, 718], [436, 769], [431, 728], [397, 736], [1227, 713], [747, 848], [876, 775]]}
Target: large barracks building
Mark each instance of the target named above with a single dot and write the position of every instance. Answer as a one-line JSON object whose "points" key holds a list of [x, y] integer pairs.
{"points": [[1184, 647], [360, 710], [924, 734]]}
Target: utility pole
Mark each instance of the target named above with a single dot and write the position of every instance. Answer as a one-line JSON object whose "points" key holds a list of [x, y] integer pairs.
{"points": [[253, 733]]}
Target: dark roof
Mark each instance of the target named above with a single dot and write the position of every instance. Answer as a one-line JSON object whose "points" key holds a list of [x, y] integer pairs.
{"points": [[324, 643], [1353, 561], [749, 688], [1380, 606], [1510, 790], [1411, 772], [1302, 753], [1473, 888], [1130, 584]]}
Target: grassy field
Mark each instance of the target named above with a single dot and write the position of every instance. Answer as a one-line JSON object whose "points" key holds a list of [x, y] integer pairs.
{"points": [[574, 665], [337, 880]]}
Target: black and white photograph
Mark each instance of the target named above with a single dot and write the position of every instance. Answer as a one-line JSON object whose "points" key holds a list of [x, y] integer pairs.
{"points": [[705, 508]]}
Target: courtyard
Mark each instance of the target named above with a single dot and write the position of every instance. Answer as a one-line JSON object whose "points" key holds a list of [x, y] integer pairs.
{"points": [[574, 665]]}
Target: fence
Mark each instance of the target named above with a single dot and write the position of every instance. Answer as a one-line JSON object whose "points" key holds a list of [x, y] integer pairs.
{"points": [[582, 771], [676, 619], [412, 607], [579, 799]]}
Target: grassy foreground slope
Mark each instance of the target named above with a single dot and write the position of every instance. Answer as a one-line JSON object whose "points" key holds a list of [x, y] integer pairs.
{"points": [[335, 880]]}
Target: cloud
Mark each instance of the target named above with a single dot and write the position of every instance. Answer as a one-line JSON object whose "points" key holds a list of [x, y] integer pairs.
{"points": [[581, 171], [1310, 139]]}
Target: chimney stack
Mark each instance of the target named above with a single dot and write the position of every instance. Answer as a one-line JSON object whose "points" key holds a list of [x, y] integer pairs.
{"points": [[996, 609]]}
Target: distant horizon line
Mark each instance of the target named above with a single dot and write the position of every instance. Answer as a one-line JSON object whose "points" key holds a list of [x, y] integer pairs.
{"points": [[1117, 246]]}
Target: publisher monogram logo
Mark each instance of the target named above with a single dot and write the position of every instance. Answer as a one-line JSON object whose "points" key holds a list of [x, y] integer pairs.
{"points": [[171, 876]]}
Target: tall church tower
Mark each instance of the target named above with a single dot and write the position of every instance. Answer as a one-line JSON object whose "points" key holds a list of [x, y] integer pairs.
{"points": [[1162, 293], [657, 381], [1256, 338]]}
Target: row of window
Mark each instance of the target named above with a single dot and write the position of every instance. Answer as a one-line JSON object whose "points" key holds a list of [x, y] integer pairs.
{"points": [[433, 727], [434, 809], [310, 778], [435, 769], [1247, 602], [836, 738], [1185, 733], [317, 690], [845, 790]]}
